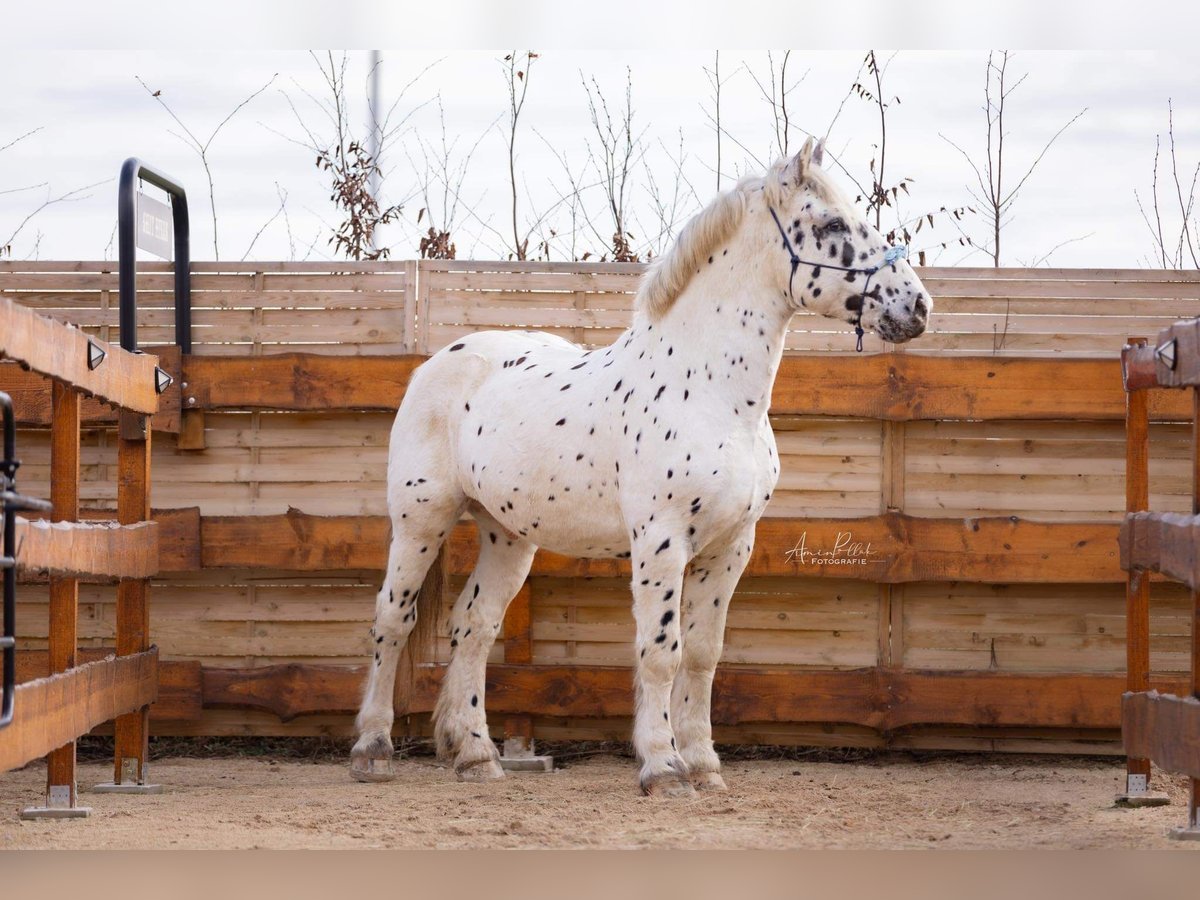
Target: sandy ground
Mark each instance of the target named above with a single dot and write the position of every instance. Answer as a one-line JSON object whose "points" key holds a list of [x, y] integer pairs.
{"points": [[891, 801]]}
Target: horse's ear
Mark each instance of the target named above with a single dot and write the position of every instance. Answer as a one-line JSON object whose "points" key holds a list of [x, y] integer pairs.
{"points": [[818, 157], [801, 162]]}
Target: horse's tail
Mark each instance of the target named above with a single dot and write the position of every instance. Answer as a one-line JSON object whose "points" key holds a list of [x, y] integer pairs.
{"points": [[430, 604]]}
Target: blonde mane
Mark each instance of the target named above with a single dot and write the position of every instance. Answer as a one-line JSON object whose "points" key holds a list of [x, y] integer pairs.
{"points": [[668, 275]]}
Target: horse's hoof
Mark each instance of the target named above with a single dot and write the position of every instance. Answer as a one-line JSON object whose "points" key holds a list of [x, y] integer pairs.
{"points": [[372, 771], [668, 787], [708, 781], [481, 772]]}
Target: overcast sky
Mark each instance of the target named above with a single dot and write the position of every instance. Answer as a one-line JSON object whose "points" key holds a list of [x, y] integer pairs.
{"points": [[90, 112]]}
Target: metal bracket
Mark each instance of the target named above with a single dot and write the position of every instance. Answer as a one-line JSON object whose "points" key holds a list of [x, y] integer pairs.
{"points": [[58, 806], [129, 783], [519, 756], [1138, 794]]}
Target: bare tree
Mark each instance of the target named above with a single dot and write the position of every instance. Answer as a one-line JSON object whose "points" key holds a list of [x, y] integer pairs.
{"points": [[342, 155], [517, 71], [48, 199], [991, 192], [1175, 242], [716, 83], [617, 155], [671, 201], [775, 88], [202, 146], [441, 172]]}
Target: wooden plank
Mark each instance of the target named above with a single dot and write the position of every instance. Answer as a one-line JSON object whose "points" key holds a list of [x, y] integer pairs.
{"points": [[891, 548], [875, 698], [52, 711], [59, 351], [1162, 542], [894, 387], [1173, 361], [88, 549], [179, 684], [31, 396], [178, 538], [1163, 728], [64, 592], [132, 731], [295, 381]]}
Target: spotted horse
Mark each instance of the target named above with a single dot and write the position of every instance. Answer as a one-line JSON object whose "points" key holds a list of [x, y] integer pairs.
{"points": [[657, 448]]}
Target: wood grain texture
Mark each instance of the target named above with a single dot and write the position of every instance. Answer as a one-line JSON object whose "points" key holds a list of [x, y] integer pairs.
{"points": [[1168, 543], [893, 548], [54, 710], [179, 683], [894, 387], [1163, 728], [881, 699], [64, 592], [88, 549], [31, 396], [59, 351]]}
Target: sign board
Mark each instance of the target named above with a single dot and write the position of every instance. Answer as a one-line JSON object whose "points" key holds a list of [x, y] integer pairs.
{"points": [[155, 227]]}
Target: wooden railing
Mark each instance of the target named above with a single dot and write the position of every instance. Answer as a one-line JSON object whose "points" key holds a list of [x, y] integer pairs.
{"points": [[1160, 728], [71, 699]]}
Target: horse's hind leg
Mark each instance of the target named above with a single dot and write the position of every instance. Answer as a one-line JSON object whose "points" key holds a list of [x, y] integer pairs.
{"points": [[421, 517], [461, 730]]}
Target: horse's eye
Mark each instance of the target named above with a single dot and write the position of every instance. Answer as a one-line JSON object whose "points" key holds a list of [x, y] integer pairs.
{"points": [[836, 225]]}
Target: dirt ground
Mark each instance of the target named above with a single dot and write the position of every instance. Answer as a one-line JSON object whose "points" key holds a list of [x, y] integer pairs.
{"points": [[886, 801]]}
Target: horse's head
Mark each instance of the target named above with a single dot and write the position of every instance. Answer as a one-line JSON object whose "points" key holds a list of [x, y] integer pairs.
{"points": [[832, 261]]}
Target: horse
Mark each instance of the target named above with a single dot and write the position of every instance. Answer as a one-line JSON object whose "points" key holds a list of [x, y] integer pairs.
{"points": [[657, 449]]}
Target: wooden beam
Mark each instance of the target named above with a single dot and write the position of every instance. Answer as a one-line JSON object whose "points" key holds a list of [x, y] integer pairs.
{"points": [[55, 710], [297, 381], [891, 386], [1163, 728], [178, 539], [1168, 543], [64, 592], [883, 699], [132, 730], [1173, 361], [60, 351], [179, 681], [892, 548], [88, 549], [31, 396]]}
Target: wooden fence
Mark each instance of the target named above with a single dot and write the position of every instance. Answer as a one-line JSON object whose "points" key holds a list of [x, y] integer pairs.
{"points": [[1163, 728], [984, 465], [63, 698]]}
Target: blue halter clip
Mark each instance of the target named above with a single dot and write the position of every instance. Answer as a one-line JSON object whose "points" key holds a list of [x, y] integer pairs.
{"points": [[890, 257]]}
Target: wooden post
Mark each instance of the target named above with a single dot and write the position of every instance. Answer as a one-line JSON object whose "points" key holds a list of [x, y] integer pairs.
{"points": [[1137, 585], [133, 603], [1192, 829], [61, 787], [518, 650]]}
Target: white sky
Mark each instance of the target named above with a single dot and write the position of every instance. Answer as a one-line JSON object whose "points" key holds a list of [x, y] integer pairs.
{"points": [[92, 113]]}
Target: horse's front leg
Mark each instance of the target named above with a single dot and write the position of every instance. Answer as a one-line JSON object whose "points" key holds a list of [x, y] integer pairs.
{"points": [[659, 558], [707, 590]]}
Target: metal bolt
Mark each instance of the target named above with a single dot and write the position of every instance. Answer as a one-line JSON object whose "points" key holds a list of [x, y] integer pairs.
{"points": [[191, 401]]}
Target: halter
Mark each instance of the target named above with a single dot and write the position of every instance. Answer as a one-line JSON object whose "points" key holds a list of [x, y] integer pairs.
{"points": [[890, 256]]}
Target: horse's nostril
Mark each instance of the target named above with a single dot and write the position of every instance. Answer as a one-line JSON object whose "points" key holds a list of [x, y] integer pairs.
{"points": [[920, 307]]}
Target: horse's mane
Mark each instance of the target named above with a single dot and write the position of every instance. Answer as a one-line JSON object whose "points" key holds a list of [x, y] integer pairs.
{"points": [[668, 275]]}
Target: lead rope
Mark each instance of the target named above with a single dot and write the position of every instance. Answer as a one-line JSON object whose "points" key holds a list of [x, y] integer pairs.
{"points": [[890, 256]]}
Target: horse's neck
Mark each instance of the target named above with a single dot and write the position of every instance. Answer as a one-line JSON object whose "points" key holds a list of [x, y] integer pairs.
{"points": [[722, 330]]}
